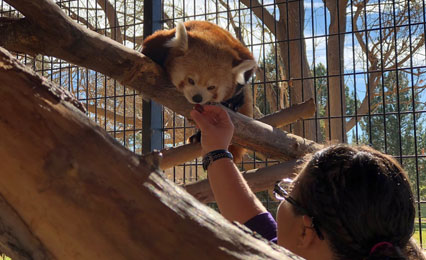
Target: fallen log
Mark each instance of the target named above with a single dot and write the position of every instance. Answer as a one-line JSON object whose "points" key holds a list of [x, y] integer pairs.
{"points": [[70, 191]]}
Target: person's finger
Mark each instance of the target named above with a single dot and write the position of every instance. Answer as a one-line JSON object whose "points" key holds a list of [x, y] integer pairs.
{"points": [[212, 108], [220, 115], [201, 121], [224, 117]]}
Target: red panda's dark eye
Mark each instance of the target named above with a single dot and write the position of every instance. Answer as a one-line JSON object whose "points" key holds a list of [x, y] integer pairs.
{"points": [[191, 81], [211, 87]]}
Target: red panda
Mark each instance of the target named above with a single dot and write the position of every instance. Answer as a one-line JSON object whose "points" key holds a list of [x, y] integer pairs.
{"points": [[207, 64]]}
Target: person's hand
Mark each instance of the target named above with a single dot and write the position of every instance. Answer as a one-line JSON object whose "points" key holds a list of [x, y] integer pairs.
{"points": [[216, 128]]}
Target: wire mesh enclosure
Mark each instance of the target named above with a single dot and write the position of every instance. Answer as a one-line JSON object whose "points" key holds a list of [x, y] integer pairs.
{"points": [[362, 61]]}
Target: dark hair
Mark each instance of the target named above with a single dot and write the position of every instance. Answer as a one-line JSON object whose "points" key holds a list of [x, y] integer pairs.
{"points": [[359, 198]]}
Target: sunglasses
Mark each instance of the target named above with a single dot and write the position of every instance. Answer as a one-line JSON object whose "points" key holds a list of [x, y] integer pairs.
{"points": [[280, 193]]}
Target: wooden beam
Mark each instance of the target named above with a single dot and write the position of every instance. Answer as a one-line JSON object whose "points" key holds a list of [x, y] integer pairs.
{"points": [[70, 191], [259, 179], [177, 155]]}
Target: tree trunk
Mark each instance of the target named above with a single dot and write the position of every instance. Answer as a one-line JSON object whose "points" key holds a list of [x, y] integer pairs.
{"points": [[293, 50], [70, 191], [336, 106], [289, 34]]}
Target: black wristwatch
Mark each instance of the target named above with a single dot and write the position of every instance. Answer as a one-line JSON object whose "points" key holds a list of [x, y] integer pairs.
{"points": [[215, 155]]}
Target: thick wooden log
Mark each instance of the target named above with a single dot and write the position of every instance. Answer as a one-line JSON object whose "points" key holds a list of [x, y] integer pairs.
{"points": [[181, 154], [291, 114], [177, 155], [258, 179], [74, 43], [70, 191]]}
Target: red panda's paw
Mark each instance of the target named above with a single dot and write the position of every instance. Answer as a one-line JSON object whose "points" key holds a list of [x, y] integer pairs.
{"points": [[238, 153]]}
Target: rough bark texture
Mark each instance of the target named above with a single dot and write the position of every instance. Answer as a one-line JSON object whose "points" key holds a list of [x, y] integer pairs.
{"points": [[72, 42], [181, 154], [259, 179], [291, 114], [70, 191], [177, 155], [336, 107], [289, 33]]}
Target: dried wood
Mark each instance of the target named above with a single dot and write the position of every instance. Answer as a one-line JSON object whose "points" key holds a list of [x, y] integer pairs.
{"points": [[177, 155], [259, 179], [70, 191]]}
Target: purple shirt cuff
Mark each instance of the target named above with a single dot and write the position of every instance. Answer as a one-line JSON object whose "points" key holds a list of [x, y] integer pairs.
{"points": [[264, 224]]}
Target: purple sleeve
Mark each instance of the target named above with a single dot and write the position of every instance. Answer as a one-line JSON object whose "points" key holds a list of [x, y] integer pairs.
{"points": [[265, 225]]}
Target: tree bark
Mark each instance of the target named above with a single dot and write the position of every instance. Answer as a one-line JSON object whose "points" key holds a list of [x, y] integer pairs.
{"points": [[291, 114], [289, 33], [111, 14], [259, 179], [177, 155], [336, 106], [293, 49], [70, 191], [74, 43]]}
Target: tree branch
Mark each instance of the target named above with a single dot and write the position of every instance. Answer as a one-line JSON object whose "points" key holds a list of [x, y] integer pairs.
{"points": [[177, 155], [112, 19], [259, 179], [76, 44], [262, 14]]}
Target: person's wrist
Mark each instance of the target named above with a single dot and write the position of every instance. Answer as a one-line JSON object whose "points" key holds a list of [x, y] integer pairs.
{"points": [[215, 155], [209, 149]]}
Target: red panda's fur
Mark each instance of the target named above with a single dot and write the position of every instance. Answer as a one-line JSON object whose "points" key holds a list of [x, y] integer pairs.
{"points": [[206, 63]]}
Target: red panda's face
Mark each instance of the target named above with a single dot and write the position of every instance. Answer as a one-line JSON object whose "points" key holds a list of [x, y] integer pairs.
{"points": [[204, 66], [202, 81]]}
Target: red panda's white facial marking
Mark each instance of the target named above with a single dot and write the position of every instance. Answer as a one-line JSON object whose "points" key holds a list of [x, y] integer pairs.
{"points": [[199, 87], [204, 71]]}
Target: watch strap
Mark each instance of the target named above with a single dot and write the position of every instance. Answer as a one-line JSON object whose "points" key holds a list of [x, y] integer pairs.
{"points": [[215, 155]]}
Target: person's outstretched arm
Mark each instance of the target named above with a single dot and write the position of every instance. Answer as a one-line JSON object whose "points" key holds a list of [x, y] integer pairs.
{"points": [[234, 197]]}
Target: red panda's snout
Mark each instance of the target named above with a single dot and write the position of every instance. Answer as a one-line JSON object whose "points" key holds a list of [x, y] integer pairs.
{"points": [[201, 86], [202, 95], [197, 98]]}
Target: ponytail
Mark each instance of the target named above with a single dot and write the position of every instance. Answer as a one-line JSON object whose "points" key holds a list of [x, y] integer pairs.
{"points": [[341, 182], [385, 251]]}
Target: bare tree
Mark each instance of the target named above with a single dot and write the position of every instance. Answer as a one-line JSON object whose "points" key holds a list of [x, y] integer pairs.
{"points": [[394, 48]]}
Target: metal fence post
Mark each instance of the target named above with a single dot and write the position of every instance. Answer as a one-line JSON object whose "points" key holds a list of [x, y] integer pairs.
{"points": [[152, 112]]}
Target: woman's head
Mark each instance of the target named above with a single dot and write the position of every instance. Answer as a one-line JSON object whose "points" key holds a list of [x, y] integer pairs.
{"points": [[359, 198]]}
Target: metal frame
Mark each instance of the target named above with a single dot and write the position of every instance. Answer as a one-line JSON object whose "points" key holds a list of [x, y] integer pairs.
{"points": [[152, 117]]}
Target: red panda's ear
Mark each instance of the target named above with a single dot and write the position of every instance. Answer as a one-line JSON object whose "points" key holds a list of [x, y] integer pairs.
{"points": [[244, 70], [179, 43], [158, 45], [155, 47]]}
